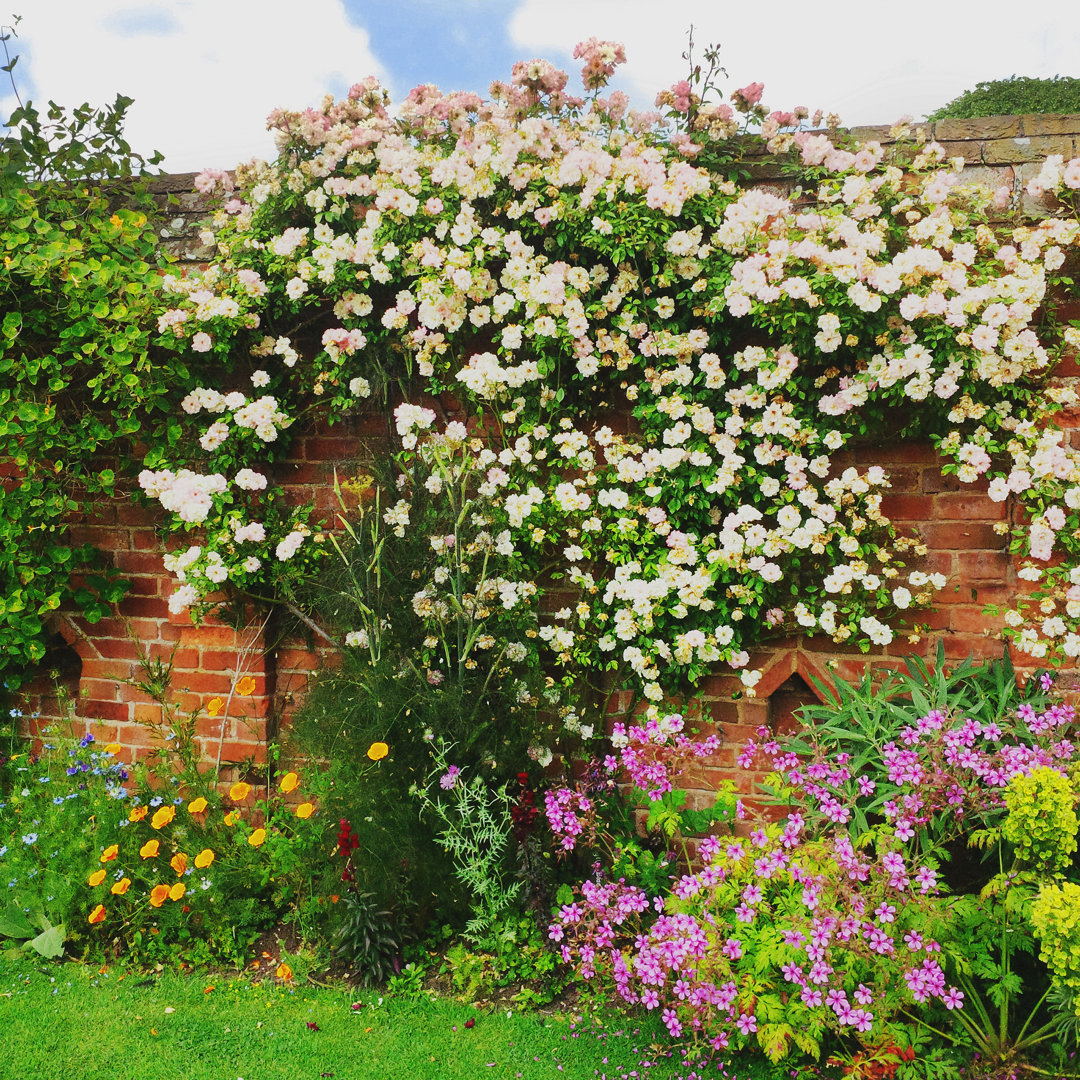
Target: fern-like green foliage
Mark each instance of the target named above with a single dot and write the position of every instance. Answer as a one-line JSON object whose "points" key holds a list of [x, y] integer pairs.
{"points": [[1013, 96]]}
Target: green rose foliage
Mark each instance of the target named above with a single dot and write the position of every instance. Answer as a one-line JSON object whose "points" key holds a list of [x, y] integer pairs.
{"points": [[79, 269]]}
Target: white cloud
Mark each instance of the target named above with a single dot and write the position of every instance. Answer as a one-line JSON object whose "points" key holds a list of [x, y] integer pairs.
{"points": [[867, 62], [204, 73]]}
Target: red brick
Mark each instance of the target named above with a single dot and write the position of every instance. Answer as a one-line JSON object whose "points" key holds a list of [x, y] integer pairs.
{"points": [[201, 682], [104, 710], [204, 635], [327, 448], [93, 668], [147, 713], [149, 607], [297, 660], [971, 620], [984, 566], [949, 507], [960, 646], [219, 659], [237, 752], [903, 507], [934, 480], [100, 689], [961, 536], [119, 648]]}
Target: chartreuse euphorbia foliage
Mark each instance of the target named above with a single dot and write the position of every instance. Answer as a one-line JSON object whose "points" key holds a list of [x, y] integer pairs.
{"points": [[558, 262]]}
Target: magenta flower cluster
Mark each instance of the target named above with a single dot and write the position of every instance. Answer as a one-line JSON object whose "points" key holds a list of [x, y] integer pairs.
{"points": [[651, 756], [939, 770]]}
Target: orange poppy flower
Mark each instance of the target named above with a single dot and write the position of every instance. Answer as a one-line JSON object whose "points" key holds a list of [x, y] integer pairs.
{"points": [[113, 748], [246, 685], [284, 972], [97, 915], [232, 817], [158, 895], [257, 837], [162, 817], [179, 863], [149, 850], [120, 887], [96, 878], [204, 858], [196, 806], [109, 853], [138, 813], [289, 782], [239, 792], [377, 751], [177, 891], [305, 810], [214, 706]]}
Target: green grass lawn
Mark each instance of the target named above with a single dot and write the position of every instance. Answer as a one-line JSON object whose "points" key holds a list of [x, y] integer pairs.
{"points": [[72, 1022]]}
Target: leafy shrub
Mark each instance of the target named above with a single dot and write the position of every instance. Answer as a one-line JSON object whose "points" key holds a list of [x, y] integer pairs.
{"points": [[79, 283], [1013, 96]]}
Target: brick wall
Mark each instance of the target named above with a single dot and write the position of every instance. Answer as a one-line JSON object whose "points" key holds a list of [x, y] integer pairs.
{"points": [[98, 667]]}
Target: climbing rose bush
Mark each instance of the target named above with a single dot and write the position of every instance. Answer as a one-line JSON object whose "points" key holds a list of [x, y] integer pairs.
{"points": [[554, 262]]}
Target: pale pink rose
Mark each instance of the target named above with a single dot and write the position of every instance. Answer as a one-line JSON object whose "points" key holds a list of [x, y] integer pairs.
{"points": [[201, 342]]}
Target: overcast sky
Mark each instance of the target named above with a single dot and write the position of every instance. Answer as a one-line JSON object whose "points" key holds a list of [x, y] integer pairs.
{"points": [[205, 73]]}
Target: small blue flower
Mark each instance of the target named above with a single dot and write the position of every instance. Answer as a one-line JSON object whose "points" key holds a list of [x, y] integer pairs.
{"points": [[156, 800], [3, 851], [71, 770], [177, 801], [58, 801], [86, 740], [29, 838], [43, 779]]}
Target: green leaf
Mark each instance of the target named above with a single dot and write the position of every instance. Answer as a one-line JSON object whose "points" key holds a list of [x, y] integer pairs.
{"points": [[50, 942], [15, 924]]}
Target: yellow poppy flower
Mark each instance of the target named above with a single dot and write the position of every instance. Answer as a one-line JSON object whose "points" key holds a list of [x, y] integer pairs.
{"points": [[120, 887], [97, 915], [113, 748], [196, 806], [109, 853], [177, 891], [232, 817], [305, 810], [204, 858], [289, 782], [239, 792], [149, 850], [377, 751], [246, 686], [138, 813], [158, 895], [214, 706], [96, 878], [257, 837], [284, 972], [179, 863], [162, 817]]}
